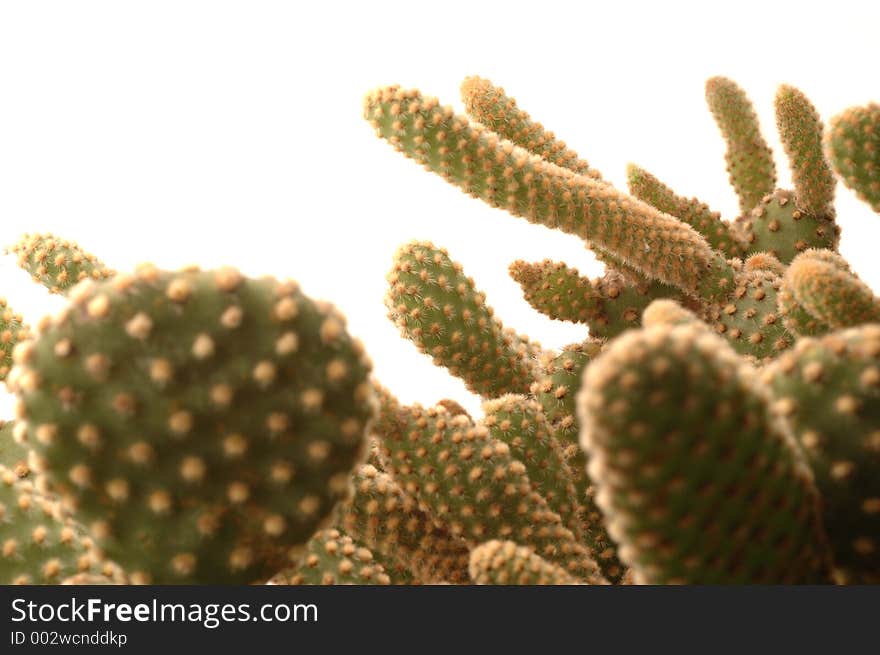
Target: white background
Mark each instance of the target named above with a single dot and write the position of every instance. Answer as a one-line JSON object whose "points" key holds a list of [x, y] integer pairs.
{"points": [[231, 132]]}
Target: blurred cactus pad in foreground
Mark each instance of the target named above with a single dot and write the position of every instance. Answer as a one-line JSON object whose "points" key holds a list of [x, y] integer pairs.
{"points": [[718, 423]]}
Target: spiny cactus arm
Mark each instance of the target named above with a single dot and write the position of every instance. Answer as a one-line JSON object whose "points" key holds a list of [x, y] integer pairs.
{"points": [[506, 563], [13, 330], [472, 484], [520, 423], [608, 305], [333, 558], [385, 518], [39, 544], [853, 146], [749, 158], [801, 130], [700, 481], [828, 389], [490, 105], [719, 234], [820, 283], [437, 307], [204, 423], [556, 392], [505, 175], [56, 263]]}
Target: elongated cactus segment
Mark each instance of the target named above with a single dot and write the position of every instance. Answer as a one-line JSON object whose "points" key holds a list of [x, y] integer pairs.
{"points": [[389, 521], [39, 544], [506, 563], [204, 423], [852, 143], [800, 130], [829, 390], [490, 105], [505, 175], [820, 285], [438, 308], [699, 480], [56, 263], [12, 331], [720, 235], [608, 305], [556, 392], [520, 423], [749, 158], [778, 226], [333, 558], [472, 484]]}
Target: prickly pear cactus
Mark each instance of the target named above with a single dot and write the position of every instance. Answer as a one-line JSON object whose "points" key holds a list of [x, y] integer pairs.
{"points": [[57, 264], [203, 423], [829, 390], [853, 145], [39, 544], [12, 331], [506, 563], [700, 481]]}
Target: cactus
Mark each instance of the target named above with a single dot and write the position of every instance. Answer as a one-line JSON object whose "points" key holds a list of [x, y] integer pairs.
{"points": [[39, 543], [12, 332], [436, 306], [700, 481], [56, 263], [721, 235], [853, 146], [822, 293], [385, 518], [608, 305], [13, 455], [333, 558], [749, 158], [505, 563], [471, 483], [829, 390], [204, 423]]}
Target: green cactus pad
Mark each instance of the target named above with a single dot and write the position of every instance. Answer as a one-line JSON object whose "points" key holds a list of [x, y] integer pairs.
{"points": [[471, 483], [520, 423], [489, 105], [504, 175], [720, 235], [56, 263], [386, 519], [506, 563], [39, 544], [13, 455], [777, 225], [12, 332], [829, 390], [819, 285], [204, 424], [800, 130], [333, 558], [438, 308], [699, 480], [750, 318], [853, 145], [749, 158]]}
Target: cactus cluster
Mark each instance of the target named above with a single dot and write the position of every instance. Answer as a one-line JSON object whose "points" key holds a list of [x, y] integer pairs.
{"points": [[697, 422], [718, 423]]}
